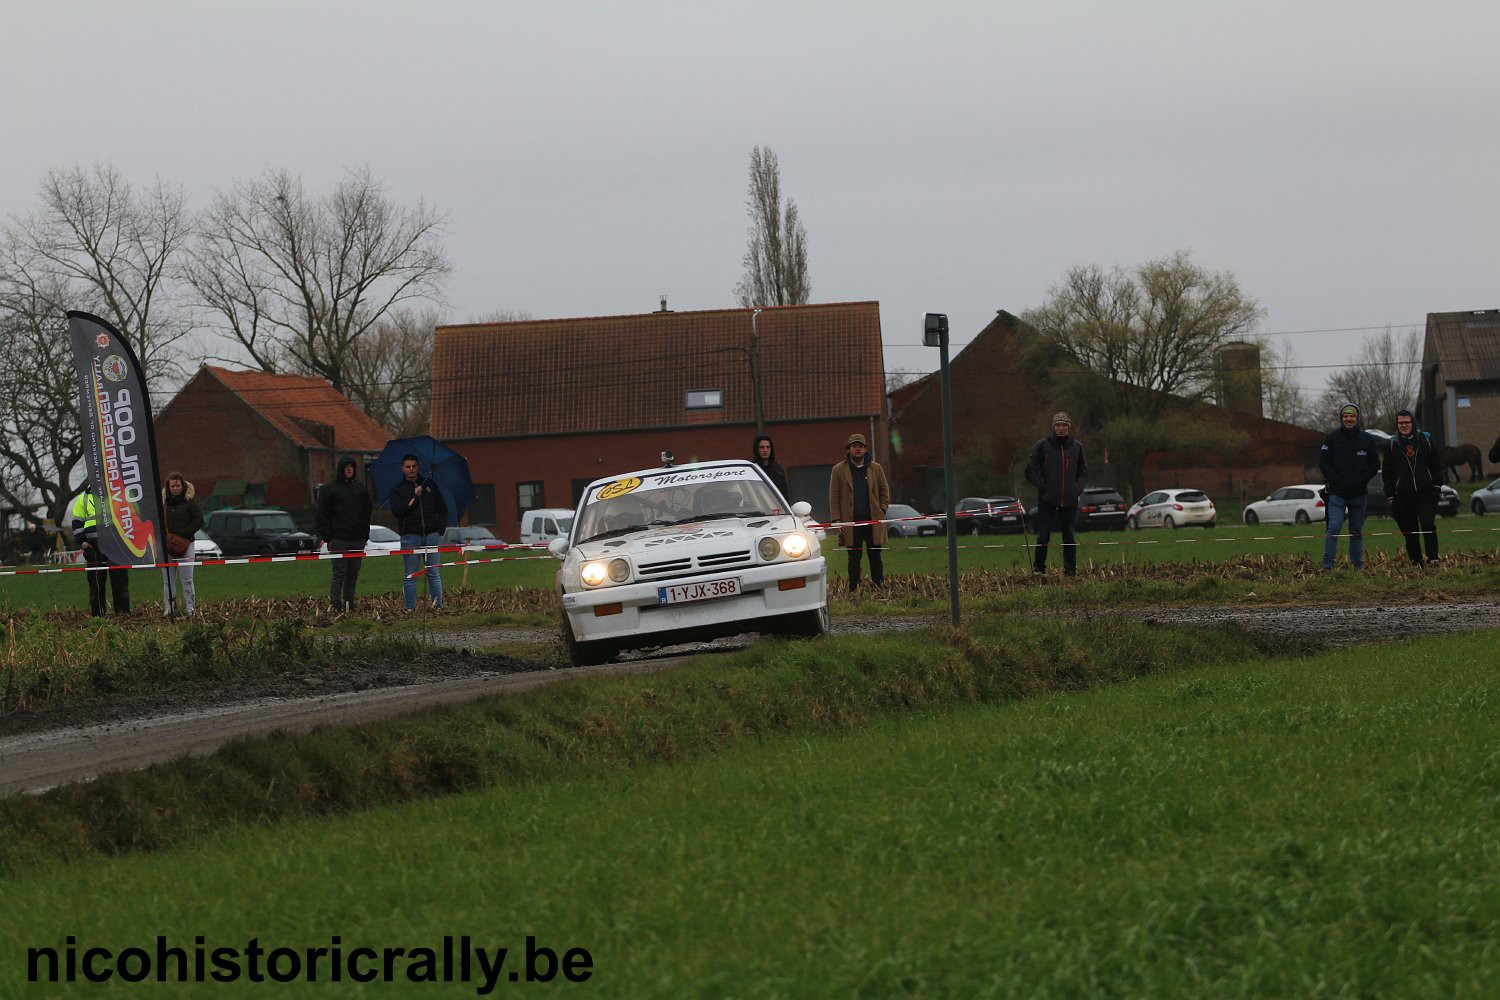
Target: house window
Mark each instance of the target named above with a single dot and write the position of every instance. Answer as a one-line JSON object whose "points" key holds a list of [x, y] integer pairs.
{"points": [[528, 497], [705, 399]]}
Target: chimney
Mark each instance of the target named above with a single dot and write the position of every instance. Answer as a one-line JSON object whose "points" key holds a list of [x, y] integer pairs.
{"points": [[1237, 379]]}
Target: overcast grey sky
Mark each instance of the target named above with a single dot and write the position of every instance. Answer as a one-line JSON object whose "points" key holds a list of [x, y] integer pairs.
{"points": [[1339, 158]]}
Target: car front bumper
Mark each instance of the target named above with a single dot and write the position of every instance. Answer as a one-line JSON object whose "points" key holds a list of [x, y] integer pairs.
{"points": [[643, 620]]}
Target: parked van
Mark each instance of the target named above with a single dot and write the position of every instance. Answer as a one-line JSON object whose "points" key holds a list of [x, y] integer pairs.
{"points": [[544, 524]]}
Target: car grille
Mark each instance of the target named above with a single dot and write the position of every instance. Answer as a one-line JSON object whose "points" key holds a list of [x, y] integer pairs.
{"points": [[648, 567]]}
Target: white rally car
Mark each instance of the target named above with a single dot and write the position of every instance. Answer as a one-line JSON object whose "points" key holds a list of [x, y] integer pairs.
{"points": [[672, 555]]}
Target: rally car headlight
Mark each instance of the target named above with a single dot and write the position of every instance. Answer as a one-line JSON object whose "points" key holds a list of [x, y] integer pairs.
{"points": [[792, 546], [595, 573], [795, 546]]}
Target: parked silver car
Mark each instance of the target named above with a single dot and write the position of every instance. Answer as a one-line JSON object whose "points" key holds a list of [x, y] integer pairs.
{"points": [[908, 520], [1486, 500]]}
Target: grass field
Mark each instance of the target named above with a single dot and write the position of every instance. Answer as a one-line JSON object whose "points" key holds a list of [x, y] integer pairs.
{"points": [[1294, 827]]}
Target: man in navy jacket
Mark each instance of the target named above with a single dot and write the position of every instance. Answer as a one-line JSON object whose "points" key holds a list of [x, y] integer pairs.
{"points": [[1349, 459], [1059, 472]]}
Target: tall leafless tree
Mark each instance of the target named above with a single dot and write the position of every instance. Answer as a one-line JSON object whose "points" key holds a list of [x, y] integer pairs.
{"points": [[300, 282], [776, 259], [98, 245], [390, 375], [113, 251], [1129, 346], [41, 446], [1282, 395], [1382, 379]]}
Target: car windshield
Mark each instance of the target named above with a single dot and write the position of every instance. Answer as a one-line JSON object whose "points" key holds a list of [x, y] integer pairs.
{"points": [[275, 522], [901, 510], [380, 534], [673, 497], [1191, 497]]}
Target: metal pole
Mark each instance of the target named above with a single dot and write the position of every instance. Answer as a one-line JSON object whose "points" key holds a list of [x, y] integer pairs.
{"points": [[760, 414], [949, 493]]}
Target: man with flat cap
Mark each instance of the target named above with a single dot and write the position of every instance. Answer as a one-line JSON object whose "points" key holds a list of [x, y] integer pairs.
{"points": [[859, 491]]}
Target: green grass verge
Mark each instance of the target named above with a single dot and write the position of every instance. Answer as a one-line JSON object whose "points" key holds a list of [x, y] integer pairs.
{"points": [[617, 722], [1319, 826]]}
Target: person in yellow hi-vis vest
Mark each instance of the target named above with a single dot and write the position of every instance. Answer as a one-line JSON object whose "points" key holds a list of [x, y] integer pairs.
{"points": [[86, 533]]}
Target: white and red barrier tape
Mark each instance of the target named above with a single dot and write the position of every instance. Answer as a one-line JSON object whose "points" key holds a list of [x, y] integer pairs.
{"points": [[534, 547]]}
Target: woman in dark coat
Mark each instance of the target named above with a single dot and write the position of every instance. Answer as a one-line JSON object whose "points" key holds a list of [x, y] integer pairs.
{"points": [[764, 455]]}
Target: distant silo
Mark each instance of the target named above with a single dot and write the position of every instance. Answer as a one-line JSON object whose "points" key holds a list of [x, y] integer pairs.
{"points": [[1238, 378]]}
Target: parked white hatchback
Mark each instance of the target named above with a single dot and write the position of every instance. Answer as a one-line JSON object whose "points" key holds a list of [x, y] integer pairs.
{"points": [[671, 555], [1172, 509], [1299, 504]]}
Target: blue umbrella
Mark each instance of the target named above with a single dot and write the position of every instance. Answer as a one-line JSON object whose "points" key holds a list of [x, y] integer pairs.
{"points": [[442, 464]]}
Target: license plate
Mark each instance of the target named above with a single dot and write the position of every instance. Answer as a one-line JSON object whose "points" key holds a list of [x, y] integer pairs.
{"points": [[1008, 517], [705, 591], [1107, 506]]}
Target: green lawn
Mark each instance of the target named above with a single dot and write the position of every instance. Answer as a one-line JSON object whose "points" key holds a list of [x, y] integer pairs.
{"points": [[1320, 826]]}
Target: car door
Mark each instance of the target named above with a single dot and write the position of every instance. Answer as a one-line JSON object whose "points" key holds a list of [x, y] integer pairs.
{"points": [[1277, 509], [1151, 509]]}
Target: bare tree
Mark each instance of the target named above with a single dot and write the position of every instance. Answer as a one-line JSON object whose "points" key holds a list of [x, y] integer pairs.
{"points": [[41, 444], [390, 374], [776, 259], [299, 282], [113, 251], [1125, 348], [1382, 380], [1283, 397]]}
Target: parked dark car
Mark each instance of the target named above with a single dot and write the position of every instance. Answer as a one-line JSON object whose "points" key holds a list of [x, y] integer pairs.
{"points": [[1447, 499], [258, 533], [987, 515], [1101, 508]]}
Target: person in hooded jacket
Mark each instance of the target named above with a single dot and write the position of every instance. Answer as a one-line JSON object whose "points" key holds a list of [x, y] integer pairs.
{"points": [[1349, 459], [765, 457], [184, 520], [343, 521], [1059, 471], [1413, 473]]}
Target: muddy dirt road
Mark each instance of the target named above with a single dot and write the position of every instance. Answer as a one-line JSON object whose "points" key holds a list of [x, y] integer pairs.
{"points": [[82, 741]]}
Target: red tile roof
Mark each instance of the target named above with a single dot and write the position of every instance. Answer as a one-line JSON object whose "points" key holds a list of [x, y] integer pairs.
{"points": [[624, 372], [287, 400]]}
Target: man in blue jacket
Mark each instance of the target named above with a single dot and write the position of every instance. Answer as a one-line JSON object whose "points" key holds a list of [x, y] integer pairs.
{"points": [[1349, 459], [1059, 472]]}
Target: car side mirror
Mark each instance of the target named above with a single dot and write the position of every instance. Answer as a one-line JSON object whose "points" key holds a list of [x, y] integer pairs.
{"points": [[558, 547], [802, 508]]}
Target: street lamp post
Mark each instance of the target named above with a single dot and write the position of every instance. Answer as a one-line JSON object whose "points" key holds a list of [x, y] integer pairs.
{"points": [[935, 334]]}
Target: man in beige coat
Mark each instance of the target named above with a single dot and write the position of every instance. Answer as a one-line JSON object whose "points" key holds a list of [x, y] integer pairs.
{"points": [[859, 491]]}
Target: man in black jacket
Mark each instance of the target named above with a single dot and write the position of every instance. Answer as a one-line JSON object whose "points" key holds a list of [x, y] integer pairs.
{"points": [[343, 521], [421, 517], [1349, 459], [1059, 471], [1413, 474]]}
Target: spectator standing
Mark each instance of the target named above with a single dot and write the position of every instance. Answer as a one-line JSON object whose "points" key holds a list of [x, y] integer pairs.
{"points": [[421, 517], [765, 457], [343, 521], [859, 491], [86, 530], [184, 520], [1349, 459], [1413, 474], [1059, 470]]}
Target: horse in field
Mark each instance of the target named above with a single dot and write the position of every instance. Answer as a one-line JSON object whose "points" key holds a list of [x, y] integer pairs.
{"points": [[1464, 454]]}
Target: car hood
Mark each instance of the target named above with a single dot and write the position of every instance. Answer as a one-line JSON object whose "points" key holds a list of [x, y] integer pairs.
{"points": [[669, 540]]}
